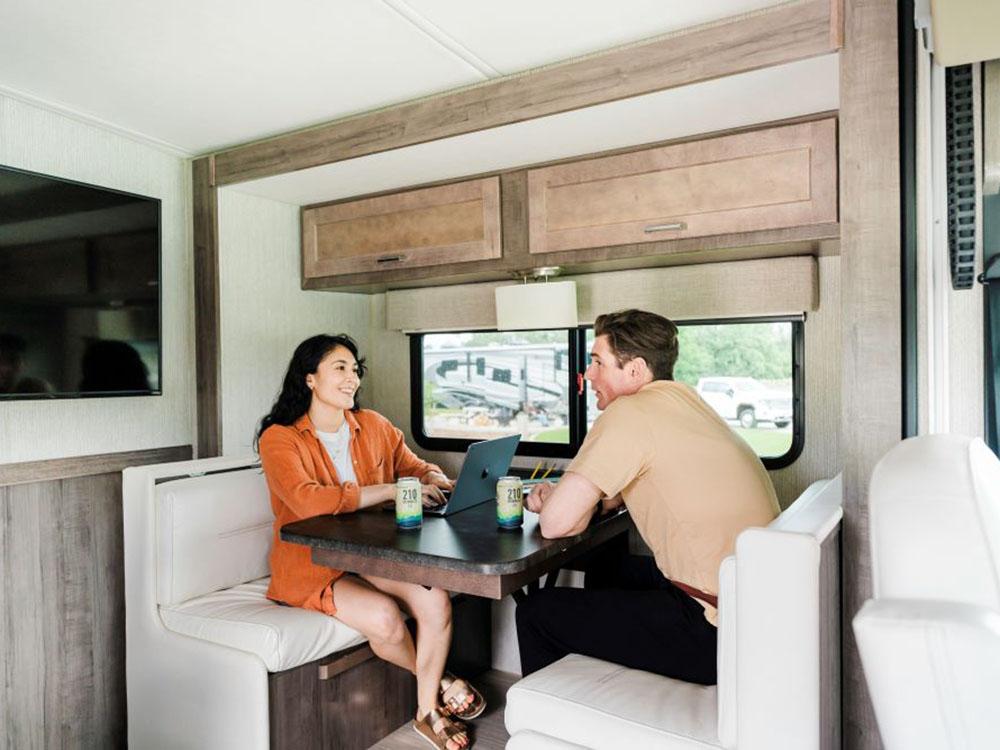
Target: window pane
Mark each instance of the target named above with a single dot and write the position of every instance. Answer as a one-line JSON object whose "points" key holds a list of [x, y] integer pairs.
{"points": [[744, 372], [484, 385]]}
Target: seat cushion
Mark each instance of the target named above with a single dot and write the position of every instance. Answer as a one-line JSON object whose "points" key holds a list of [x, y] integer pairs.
{"points": [[243, 618], [596, 704]]}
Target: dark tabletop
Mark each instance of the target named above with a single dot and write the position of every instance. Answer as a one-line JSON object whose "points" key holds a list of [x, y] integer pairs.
{"points": [[467, 542]]}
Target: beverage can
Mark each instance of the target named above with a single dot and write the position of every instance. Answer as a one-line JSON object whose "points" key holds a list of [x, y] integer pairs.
{"points": [[510, 502], [409, 504]]}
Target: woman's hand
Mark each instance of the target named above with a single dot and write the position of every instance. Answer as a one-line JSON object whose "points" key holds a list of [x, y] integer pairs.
{"points": [[438, 479], [539, 494], [433, 496]]}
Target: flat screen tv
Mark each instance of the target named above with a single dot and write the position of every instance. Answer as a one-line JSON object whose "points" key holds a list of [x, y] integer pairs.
{"points": [[79, 289]]}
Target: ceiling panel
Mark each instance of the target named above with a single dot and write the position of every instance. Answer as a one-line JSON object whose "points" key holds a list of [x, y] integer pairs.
{"points": [[779, 92], [202, 74], [529, 33]]}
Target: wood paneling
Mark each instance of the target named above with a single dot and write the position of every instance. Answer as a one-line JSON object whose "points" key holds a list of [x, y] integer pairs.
{"points": [[870, 296], [788, 32], [208, 357], [62, 601], [440, 225], [350, 712], [764, 179]]}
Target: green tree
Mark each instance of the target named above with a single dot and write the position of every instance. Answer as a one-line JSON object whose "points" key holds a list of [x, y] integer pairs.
{"points": [[759, 350]]}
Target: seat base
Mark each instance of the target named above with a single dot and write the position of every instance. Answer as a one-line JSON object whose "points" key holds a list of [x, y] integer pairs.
{"points": [[596, 704]]}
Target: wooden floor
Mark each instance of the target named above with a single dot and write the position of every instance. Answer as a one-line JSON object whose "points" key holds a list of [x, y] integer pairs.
{"points": [[488, 730]]}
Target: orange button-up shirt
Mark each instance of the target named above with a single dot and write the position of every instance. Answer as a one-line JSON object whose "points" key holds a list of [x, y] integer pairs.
{"points": [[304, 483]]}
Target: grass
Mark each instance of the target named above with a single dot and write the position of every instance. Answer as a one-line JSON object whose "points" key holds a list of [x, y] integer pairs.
{"points": [[553, 435], [766, 442]]}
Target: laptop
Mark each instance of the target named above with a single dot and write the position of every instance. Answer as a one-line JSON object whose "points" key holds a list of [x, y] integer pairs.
{"points": [[484, 464]]}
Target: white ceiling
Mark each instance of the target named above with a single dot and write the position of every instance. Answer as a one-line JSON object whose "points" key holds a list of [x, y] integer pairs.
{"points": [[199, 75]]}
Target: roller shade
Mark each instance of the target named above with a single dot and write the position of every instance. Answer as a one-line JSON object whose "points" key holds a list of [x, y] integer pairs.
{"points": [[770, 286]]}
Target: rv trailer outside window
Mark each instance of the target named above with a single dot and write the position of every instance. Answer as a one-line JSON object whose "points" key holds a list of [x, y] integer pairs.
{"points": [[750, 373], [469, 386]]}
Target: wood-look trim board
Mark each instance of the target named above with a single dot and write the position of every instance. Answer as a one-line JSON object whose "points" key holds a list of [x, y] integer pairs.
{"points": [[775, 36], [871, 390], [84, 466], [208, 357]]}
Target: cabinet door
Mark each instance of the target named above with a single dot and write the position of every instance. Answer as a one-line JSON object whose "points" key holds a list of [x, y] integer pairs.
{"points": [[427, 227], [767, 179]]}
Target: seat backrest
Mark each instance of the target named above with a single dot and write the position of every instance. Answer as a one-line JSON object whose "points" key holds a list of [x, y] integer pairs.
{"points": [[779, 636], [212, 532], [935, 521]]}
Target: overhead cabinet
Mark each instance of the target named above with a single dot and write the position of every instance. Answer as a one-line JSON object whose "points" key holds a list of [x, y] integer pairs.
{"points": [[766, 179], [431, 226]]}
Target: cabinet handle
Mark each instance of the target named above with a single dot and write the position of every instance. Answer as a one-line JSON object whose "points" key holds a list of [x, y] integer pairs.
{"points": [[390, 258], [665, 227]]}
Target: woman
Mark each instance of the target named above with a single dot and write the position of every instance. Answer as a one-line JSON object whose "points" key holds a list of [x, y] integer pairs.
{"points": [[322, 453]]}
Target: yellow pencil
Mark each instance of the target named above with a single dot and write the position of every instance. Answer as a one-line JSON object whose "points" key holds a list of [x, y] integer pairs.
{"points": [[537, 467], [547, 471]]}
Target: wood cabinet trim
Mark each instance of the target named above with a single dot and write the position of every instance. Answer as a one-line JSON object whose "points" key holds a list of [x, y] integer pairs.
{"points": [[774, 36], [85, 466]]}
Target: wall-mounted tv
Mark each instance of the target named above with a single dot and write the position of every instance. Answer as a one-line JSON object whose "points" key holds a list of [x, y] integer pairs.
{"points": [[79, 290]]}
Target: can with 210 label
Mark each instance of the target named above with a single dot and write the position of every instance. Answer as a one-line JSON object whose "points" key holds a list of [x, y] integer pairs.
{"points": [[409, 503], [510, 502]]}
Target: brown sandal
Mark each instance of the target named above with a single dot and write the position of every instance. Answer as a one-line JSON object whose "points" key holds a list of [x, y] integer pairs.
{"points": [[455, 692], [438, 729]]}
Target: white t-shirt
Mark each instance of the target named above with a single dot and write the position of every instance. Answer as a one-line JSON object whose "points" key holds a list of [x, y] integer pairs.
{"points": [[338, 445]]}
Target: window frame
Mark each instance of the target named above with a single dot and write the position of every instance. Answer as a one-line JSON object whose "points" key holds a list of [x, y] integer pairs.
{"points": [[772, 463], [577, 415], [525, 447]]}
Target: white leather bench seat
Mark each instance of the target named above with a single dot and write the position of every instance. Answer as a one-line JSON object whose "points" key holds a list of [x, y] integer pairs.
{"points": [[242, 617], [595, 704]]}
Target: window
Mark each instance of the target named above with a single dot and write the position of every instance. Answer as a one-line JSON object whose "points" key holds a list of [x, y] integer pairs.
{"points": [[475, 386], [480, 385]]}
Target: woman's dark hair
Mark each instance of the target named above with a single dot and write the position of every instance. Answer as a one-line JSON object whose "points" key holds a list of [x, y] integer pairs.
{"points": [[295, 396]]}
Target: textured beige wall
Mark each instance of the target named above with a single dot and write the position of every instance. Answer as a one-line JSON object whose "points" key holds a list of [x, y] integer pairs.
{"points": [[389, 382], [772, 286], [38, 140], [263, 310]]}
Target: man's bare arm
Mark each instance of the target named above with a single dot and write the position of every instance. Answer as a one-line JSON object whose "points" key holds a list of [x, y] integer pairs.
{"points": [[567, 510]]}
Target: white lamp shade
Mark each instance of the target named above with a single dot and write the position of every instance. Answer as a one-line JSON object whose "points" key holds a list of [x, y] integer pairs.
{"points": [[550, 304]]}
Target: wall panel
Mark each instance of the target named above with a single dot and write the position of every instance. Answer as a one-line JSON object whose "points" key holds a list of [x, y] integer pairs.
{"points": [[62, 608], [35, 139], [264, 311]]}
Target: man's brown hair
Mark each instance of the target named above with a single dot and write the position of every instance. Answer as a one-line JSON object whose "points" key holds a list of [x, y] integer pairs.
{"points": [[637, 333]]}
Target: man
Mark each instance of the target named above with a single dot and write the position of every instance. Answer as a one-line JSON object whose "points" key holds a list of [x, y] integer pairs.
{"points": [[691, 486]]}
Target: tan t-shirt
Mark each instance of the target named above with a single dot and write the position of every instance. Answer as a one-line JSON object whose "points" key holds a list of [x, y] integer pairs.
{"points": [[690, 483]]}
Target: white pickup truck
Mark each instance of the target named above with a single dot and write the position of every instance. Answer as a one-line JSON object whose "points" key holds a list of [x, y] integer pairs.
{"points": [[746, 401]]}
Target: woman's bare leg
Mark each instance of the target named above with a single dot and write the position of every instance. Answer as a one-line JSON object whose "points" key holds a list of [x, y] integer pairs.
{"points": [[431, 608], [375, 615], [363, 604]]}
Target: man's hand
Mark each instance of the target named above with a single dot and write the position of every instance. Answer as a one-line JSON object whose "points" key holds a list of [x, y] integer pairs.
{"points": [[539, 494], [609, 504]]}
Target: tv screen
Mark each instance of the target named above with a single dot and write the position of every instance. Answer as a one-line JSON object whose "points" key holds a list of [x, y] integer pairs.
{"points": [[79, 289]]}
